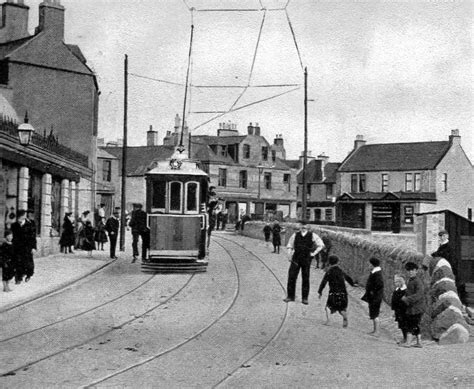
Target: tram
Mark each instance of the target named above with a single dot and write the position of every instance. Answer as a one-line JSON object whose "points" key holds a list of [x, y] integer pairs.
{"points": [[176, 199]]}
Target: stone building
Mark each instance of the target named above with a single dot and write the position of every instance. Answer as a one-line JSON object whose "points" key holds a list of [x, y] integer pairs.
{"points": [[50, 80], [249, 173], [382, 186]]}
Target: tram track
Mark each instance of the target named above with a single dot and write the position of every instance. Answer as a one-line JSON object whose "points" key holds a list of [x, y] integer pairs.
{"points": [[209, 326], [104, 333]]}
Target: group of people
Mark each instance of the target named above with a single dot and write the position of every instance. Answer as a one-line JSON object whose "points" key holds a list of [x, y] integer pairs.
{"points": [[16, 253], [408, 300], [275, 232]]}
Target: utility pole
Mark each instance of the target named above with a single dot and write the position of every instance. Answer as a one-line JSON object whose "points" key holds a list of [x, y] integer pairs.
{"points": [[305, 152], [123, 205]]}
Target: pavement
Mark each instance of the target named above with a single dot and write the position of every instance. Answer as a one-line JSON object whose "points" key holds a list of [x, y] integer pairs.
{"points": [[53, 273]]}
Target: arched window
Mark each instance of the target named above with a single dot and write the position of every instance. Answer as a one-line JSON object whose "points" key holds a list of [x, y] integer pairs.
{"points": [[192, 197], [176, 196]]}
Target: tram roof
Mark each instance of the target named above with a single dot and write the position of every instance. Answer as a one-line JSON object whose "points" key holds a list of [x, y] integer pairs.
{"points": [[176, 167]]}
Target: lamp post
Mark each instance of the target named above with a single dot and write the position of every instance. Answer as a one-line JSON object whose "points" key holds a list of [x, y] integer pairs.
{"points": [[260, 170], [25, 131]]}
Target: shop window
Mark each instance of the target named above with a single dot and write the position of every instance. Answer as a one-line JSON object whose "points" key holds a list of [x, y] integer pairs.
{"points": [[192, 196], [328, 214], [222, 181], [158, 195], [243, 179], [267, 178], [175, 196]]}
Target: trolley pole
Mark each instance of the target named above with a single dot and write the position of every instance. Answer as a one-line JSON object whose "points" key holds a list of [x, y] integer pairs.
{"points": [[305, 152], [123, 216]]}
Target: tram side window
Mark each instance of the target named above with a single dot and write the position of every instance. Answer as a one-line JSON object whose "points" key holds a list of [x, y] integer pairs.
{"points": [[159, 194], [175, 196], [192, 196]]}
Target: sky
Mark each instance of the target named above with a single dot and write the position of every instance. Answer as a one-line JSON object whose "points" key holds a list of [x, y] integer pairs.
{"points": [[392, 71]]}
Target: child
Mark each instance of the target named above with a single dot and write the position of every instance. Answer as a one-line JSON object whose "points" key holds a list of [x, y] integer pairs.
{"points": [[415, 301], [6, 260], [267, 230], [88, 244], [100, 234], [337, 298], [276, 230], [374, 293], [398, 306]]}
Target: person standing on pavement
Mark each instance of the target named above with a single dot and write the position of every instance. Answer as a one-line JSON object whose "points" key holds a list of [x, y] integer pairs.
{"points": [[267, 230], [89, 243], [67, 237], [24, 247], [112, 227], [276, 240], [399, 307], [374, 294], [301, 247], [138, 224], [7, 260], [415, 301]]}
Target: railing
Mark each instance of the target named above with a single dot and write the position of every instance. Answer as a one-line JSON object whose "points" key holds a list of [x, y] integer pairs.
{"points": [[48, 142]]}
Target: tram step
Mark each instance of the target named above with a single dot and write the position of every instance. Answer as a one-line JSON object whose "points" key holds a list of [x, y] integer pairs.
{"points": [[173, 268]]}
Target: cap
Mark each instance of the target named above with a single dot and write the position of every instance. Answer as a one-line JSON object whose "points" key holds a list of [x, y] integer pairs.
{"points": [[443, 232]]}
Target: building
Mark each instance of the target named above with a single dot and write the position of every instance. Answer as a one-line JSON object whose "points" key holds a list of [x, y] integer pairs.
{"points": [[107, 181], [49, 80], [320, 189], [383, 186], [249, 174]]}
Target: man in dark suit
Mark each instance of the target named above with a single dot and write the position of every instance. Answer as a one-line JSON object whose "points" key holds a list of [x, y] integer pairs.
{"points": [[24, 246], [112, 227], [444, 249], [138, 224]]}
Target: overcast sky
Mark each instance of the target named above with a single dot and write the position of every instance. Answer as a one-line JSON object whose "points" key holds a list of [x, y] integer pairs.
{"points": [[393, 71]]}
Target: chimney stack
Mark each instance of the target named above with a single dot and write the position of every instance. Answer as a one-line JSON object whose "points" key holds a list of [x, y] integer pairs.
{"points": [[455, 138], [257, 129], [51, 18], [309, 158], [359, 141], [151, 137], [324, 160], [14, 21], [250, 129]]}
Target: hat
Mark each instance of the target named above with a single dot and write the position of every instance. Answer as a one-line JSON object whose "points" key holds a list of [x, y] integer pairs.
{"points": [[443, 232], [68, 214]]}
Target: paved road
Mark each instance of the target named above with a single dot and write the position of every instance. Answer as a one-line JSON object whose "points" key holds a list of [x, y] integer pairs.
{"points": [[225, 328]]}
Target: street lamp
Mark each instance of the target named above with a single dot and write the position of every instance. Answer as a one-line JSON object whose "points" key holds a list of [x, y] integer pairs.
{"points": [[25, 132], [260, 170]]}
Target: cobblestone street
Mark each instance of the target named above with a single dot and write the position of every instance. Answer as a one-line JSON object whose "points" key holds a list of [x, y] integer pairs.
{"points": [[228, 327]]}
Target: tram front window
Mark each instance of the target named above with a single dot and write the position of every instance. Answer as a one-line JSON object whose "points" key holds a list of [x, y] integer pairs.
{"points": [[192, 197], [175, 196], [159, 194]]}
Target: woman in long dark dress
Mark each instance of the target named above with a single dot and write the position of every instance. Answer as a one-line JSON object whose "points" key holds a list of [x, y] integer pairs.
{"points": [[276, 230], [100, 234], [337, 298], [67, 237], [88, 243]]}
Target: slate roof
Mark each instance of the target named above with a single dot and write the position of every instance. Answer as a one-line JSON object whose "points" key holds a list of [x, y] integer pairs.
{"points": [[396, 157], [313, 172], [140, 159], [218, 140], [293, 163], [101, 153], [204, 153]]}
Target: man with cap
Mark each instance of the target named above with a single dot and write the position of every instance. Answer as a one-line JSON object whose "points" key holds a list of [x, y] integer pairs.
{"points": [[301, 247], [444, 249], [138, 224], [112, 227]]}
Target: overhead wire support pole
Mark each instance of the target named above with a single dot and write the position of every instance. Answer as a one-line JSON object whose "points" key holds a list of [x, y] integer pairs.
{"points": [[305, 152], [123, 203]]}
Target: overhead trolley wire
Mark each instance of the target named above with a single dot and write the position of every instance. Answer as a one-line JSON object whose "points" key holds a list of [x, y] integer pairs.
{"points": [[294, 36]]}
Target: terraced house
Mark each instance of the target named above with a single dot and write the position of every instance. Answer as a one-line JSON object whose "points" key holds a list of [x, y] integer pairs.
{"points": [[382, 186], [49, 80]]}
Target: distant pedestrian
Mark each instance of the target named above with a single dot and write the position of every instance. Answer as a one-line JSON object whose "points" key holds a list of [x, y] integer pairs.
{"points": [[374, 294], [67, 236], [7, 260], [225, 216], [101, 211], [415, 301], [100, 235], [138, 224], [24, 247], [89, 243], [81, 222], [276, 240], [267, 231], [399, 307], [337, 297], [301, 247], [112, 227]]}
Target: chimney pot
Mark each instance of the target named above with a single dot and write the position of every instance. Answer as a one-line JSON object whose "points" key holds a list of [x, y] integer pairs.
{"points": [[359, 141], [455, 132]]}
